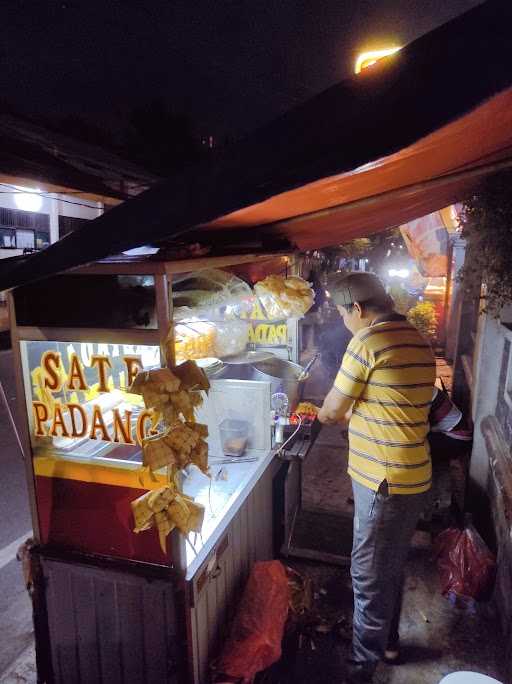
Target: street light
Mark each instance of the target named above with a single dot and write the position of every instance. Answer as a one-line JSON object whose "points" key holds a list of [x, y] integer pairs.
{"points": [[28, 199], [366, 59]]}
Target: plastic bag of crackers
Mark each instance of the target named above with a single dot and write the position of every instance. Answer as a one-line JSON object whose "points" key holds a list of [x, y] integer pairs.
{"points": [[285, 297]]}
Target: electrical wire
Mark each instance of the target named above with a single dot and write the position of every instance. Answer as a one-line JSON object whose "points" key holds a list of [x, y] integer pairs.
{"points": [[16, 190], [292, 435]]}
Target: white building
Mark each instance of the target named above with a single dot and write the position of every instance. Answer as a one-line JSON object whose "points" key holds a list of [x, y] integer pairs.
{"points": [[50, 184]]}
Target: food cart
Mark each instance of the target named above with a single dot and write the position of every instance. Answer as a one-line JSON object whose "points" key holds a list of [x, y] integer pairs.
{"points": [[110, 604]]}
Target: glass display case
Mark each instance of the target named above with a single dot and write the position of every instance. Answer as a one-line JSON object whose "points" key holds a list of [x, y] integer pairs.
{"points": [[86, 428], [86, 432]]}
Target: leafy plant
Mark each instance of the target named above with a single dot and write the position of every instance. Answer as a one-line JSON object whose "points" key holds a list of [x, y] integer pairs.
{"points": [[487, 228], [423, 316]]}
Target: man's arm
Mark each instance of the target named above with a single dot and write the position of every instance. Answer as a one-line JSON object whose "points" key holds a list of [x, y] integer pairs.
{"points": [[335, 408], [349, 384]]}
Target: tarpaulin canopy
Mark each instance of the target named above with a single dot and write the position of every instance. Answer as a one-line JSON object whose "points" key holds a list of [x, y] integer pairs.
{"points": [[403, 138]]}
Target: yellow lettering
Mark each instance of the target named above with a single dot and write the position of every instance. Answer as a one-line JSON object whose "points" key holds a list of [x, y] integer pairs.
{"points": [[58, 423], [282, 333], [98, 424], [102, 362], [83, 417], [144, 416], [123, 429], [51, 363], [40, 417], [263, 334], [133, 365], [76, 373], [257, 313]]}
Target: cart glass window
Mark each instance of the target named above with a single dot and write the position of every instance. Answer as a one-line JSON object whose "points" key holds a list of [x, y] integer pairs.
{"points": [[106, 301], [78, 404]]}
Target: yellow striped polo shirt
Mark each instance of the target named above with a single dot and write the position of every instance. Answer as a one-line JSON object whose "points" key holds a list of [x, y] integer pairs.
{"points": [[389, 370]]}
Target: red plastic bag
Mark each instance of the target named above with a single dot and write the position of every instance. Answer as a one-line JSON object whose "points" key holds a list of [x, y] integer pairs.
{"points": [[255, 637], [465, 564]]}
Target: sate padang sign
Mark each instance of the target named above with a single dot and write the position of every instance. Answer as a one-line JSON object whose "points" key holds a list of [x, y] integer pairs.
{"points": [[264, 331], [80, 390]]}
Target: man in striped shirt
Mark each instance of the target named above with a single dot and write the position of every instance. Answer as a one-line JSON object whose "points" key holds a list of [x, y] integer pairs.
{"points": [[384, 390]]}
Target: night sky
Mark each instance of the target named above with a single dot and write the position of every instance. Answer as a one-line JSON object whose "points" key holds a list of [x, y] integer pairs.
{"points": [[230, 64]]}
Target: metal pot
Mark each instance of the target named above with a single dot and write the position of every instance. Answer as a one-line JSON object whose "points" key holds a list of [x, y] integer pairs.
{"points": [[284, 376]]}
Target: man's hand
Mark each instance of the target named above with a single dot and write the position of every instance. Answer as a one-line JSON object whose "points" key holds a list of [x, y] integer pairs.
{"points": [[336, 408]]}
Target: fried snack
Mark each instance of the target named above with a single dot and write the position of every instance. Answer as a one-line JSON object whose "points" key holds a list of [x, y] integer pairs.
{"points": [[199, 455], [202, 430], [153, 398], [159, 380], [181, 439], [194, 340], [169, 414], [156, 452], [307, 408], [182, 404], [191, 376], [285, 297]]}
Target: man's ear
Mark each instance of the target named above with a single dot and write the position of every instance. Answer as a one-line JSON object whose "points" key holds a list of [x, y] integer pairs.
{"points": [[359, 309]]}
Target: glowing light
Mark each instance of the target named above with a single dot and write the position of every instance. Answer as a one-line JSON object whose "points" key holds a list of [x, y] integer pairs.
{"points": [[398, 272], [28, 199], [367, 59]]}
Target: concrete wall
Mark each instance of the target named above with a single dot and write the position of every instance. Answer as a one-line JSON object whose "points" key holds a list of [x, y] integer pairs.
{"points": [[489, 351]]}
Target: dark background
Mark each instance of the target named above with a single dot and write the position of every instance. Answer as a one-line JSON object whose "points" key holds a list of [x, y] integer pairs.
{"points": [[228, 66]]}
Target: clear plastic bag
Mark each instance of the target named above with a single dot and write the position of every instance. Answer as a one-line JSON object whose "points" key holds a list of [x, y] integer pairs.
{"points": [[284, 297], [210, 294]]}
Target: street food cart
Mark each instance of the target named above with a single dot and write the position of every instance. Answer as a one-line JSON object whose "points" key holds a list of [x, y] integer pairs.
{"points": [[111, 604]]}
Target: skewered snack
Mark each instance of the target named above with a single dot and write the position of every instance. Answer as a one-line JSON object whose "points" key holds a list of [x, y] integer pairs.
{"points": [[307, 408], [285, 297]]}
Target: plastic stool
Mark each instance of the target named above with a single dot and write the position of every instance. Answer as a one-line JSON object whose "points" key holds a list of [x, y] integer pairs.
{"points": [[468, 678]]}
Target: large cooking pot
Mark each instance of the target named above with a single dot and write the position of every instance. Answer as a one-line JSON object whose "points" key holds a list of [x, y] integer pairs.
{"points": [[284, 376]]}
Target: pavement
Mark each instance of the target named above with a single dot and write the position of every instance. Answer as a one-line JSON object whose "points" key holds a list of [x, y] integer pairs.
{"points": [[15, 527]]}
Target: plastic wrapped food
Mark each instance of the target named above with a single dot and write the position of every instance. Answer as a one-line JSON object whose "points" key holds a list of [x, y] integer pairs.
{"points": [[285, 297], [231, 338], [193, 340], [216, 293]]}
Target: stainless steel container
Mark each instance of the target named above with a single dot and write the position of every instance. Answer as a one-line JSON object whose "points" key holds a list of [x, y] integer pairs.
{"points": [[283, 376]]}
